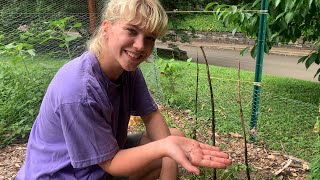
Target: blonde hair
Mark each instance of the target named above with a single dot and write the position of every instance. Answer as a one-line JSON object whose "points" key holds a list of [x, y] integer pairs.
{"points": [[151, 14]]}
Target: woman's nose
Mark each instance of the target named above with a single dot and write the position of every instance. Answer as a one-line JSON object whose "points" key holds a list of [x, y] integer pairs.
{"points": [[139, 43]]}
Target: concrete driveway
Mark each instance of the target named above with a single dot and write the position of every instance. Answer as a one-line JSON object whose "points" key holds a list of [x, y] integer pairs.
{"points": [[280, 61]]}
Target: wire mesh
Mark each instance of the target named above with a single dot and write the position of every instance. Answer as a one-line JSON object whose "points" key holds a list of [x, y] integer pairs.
{"points": [[60, 29], [57, 29]]}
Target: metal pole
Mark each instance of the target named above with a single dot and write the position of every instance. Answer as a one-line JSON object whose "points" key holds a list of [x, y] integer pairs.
{"points": [[258, 71]]}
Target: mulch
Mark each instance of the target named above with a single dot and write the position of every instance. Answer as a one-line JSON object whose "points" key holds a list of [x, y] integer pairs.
{"points": [[266, 164]]}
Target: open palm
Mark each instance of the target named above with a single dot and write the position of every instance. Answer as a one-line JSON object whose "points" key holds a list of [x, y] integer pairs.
{"points": [[190, 153]]}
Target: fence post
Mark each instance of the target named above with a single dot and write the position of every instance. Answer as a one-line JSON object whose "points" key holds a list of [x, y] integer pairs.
{"points": [[92, 15], [258, 71]]}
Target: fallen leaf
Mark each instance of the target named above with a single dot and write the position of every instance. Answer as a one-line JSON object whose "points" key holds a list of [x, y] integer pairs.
{"points": [[271, 157], [305, 166], [236, 135]]}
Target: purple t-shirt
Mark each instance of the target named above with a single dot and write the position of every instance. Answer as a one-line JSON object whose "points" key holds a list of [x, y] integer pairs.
{"points": [[83, 121]]}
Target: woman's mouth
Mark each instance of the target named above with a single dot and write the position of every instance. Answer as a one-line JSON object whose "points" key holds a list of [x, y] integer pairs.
{"points": [[134, 56]]}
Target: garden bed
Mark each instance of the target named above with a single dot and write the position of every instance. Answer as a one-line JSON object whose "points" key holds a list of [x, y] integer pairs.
{"points": [[265, 163]]}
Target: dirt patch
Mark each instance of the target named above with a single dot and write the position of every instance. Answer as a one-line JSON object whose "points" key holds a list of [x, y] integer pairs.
{"points": [[264, 163], [11, 160]]}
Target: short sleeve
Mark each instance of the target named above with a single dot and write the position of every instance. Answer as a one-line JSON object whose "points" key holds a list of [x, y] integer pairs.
{"points": [[143, 102], [88, 135]]}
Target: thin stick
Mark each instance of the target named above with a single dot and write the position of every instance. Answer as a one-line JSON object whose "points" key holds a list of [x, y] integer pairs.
{"points": [[243, 126], [212, 108], [195, 127]]}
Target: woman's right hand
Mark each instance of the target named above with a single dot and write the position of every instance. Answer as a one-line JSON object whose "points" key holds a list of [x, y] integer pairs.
{"points": [[190, 154]]}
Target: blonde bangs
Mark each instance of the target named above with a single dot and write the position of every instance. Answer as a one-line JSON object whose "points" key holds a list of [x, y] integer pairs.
{"points": [[146, 14]]}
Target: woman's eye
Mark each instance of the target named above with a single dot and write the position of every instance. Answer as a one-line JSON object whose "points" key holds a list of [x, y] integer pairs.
{"points": [[151, 38], [131, 31]]}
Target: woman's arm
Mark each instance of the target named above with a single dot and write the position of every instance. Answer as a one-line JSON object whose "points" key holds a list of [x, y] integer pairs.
{"points": [[187, 152]]}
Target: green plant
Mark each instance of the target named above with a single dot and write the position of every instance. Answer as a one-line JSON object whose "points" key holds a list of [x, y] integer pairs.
{"points": [[21, 94], [287, 22], [62, 31], [170, 70], [315, 164]]}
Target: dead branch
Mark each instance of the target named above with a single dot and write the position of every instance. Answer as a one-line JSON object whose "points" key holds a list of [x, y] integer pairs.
{"points": [[212, 108]]}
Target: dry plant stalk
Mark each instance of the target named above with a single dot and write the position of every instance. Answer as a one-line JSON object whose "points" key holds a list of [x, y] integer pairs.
{"points": [[212, 108], [243, 126], [196, 110]]}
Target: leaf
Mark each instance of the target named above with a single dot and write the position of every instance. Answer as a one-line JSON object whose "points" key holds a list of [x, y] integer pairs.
{"points": [[273, 36], [234, 31], [10, 46], [276, 3], [311, 60], [318, 72], [255, 3], [241, 17], [31, 52], [31, 111], [279, 16], [77, 25], [317, 61], [289, 17], [70, 38], [316, 128], [218, 8], [210, 5], [254, 51], [302, 59], [310, 3], [234, 9], [235, 135], [243, 51]]}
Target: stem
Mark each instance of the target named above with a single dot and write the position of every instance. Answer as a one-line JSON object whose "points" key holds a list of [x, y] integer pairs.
{"points": [[195, 127], [243, 126], [67, 45], [212, 108]]}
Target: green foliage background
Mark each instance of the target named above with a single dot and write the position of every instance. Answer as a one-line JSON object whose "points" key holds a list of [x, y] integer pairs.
{"points": [[22, 85]]}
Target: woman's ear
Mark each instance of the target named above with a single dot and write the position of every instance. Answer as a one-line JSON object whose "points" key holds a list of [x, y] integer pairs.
{"points": [[105, 25]]}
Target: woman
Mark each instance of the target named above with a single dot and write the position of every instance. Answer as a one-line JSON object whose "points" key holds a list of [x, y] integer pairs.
{"points": [[81, 129]]}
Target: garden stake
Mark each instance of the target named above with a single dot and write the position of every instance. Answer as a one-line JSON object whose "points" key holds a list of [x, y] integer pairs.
{"points": [[196, 110], [212, 108], [243, 126]]}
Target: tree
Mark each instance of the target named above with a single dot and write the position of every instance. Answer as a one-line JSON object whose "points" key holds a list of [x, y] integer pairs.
{"points": [[288, 21]]}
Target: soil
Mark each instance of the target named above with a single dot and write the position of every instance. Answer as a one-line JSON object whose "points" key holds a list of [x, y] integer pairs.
{"points": [[266, 164]]}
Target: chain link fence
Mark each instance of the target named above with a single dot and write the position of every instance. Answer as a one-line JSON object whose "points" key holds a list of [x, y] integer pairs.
{"points": [[60, 29], [57, 29]]}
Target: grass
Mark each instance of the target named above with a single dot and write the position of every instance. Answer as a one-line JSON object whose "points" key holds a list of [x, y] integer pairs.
{"points": [[22, 85], [200, 22], [287, 112]]}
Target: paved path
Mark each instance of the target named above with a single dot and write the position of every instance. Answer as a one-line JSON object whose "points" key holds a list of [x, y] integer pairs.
{"points": [[280, 61]]}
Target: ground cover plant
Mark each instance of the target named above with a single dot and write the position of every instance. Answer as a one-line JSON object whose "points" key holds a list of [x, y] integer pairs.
{"points": [[200, 22], [22, 85]]}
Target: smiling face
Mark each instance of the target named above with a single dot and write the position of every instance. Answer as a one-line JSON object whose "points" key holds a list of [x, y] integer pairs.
{"points": [[127, 45]]}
